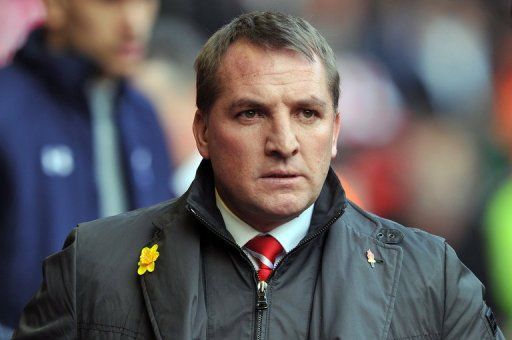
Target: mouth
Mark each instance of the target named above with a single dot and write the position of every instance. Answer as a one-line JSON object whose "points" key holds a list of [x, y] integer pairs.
{"points": [[131, 50], [281, 175]]}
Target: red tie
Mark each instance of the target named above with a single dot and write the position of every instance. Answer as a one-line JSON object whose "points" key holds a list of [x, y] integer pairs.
{"points": [[265, 249]]}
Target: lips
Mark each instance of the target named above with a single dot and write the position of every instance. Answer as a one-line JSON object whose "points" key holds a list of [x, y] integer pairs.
{"points": [[281, 174], [277, 181], [131, 50]]}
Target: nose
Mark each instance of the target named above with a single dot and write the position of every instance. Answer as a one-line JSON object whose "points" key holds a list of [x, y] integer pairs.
{"points": [[282, 138]]}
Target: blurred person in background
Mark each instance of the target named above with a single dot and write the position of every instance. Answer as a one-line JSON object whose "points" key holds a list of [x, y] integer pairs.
{"points": [[77, 142], [167, 78], [206, 16]]}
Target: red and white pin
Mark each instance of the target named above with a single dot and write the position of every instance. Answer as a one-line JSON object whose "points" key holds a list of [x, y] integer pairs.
{"points": [[371, 258]]}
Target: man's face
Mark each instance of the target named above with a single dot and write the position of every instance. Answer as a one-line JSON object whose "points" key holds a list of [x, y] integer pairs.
{"points": [[270, 135], [113, 33]]}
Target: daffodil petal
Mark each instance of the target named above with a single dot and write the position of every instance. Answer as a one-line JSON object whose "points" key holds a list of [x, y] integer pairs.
{"points": [[147, 259]]}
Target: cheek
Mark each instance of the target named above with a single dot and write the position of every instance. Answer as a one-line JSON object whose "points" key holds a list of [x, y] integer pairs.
{"points": [[147, 18], [318, 145], [240, 142], [236, 154], [89, 39]]}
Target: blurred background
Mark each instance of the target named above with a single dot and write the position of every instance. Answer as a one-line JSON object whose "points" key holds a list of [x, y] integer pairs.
{"points": [[426, 105]]}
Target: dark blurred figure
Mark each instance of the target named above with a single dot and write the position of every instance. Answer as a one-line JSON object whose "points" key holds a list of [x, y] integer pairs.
{"points": [[77, 142], [167, 78], [207, 16]]}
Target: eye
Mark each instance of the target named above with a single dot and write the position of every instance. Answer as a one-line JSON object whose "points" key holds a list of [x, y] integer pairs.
{"points": [[308, 113], [249, 113]]}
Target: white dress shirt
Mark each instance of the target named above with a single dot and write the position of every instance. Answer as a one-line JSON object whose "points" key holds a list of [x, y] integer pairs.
{"points": [[288, 234]]}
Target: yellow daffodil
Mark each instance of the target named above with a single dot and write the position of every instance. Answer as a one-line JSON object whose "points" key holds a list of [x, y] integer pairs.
{"points": [[147, 260]]}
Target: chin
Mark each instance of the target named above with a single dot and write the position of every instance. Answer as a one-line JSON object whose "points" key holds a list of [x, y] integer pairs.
{"points": [[121, 70], [287, 210]]}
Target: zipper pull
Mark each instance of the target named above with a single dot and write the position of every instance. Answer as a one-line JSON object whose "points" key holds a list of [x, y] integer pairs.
{"points": [[262, 302]]}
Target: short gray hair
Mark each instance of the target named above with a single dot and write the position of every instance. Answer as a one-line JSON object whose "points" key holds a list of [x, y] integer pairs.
{"points": [[269, 30]]}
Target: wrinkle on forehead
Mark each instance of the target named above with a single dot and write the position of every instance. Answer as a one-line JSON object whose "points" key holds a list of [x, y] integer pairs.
{"points": [[241, 57], [276, 78], [266, 74]]}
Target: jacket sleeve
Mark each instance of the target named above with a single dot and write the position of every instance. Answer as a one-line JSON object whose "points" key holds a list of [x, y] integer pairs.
{"points": [[466, 315], [51, 313]]}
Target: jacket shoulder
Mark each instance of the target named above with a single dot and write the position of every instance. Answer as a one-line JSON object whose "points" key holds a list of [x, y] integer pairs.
{"points": [[423, 254], [390, 232], [432, 278], [138, 225], [20, 92], [14, 78]]}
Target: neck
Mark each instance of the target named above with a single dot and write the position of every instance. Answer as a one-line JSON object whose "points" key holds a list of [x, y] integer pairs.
{"points": [[55, 41], [257, 224]]}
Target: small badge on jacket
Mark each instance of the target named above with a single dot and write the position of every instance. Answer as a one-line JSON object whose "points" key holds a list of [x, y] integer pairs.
{"points": [[371, 258]]}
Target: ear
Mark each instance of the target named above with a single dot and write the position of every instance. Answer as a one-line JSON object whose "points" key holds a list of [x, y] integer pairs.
{"points": [[56, 14], [200, 128], [335, 134]]}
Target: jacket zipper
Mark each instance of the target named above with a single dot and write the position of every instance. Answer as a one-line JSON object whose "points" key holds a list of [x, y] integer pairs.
{"points": [[261, 305], [306, 240], [261, 288], [262, 302]]}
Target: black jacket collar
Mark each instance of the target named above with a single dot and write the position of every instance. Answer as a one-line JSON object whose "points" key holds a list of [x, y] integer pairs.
{"points": [[329, 206]]}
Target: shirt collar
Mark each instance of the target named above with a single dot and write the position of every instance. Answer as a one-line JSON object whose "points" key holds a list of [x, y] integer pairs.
{"points": [[288, 234]]}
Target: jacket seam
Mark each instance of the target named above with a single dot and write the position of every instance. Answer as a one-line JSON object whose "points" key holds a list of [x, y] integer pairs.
{"points": [[485, 326], [75, 286], [444, 290], [374, 220], [392, 296], [313, 295], [108, 329], [149, 307], [209, 326], [419, 336]]}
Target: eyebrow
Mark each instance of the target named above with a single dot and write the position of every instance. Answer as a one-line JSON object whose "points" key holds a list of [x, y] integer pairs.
{"points": [[313, 101], [246, 102]]}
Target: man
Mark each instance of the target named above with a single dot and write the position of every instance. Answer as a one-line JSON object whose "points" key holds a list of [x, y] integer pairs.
{"points": [[264, 244], [77, 141]]}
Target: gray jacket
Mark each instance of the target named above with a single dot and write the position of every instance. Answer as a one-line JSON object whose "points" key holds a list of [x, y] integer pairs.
{"points": [[204, 286]]}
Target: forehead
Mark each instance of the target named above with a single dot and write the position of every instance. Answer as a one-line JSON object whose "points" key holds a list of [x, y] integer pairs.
{"points": [[251, 66], [90, 5], [244, 59], [98, 9]]}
